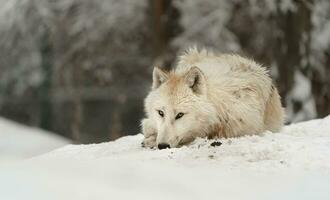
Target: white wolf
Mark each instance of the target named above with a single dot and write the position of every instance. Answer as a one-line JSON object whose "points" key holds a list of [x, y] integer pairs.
{"points": [[209, 95]]}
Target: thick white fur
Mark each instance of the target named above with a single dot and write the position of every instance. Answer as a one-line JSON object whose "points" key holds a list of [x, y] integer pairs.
{"points": [[220, 96]]}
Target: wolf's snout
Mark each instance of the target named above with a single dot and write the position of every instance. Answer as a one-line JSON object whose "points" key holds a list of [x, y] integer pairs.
{"points": [[163, 146]]}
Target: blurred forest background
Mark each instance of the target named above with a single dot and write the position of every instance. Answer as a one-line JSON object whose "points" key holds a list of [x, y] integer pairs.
{"points": [[81, 68]]}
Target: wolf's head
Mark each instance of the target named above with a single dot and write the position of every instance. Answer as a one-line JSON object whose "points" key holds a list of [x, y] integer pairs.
{"points": [[179, 106]]}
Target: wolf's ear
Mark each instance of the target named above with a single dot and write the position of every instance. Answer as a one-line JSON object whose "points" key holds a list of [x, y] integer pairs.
{"points": [[196, 80], [158, 77]]}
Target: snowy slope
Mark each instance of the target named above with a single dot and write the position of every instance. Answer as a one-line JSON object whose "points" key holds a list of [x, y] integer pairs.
{"points": [[293, 164], [19, 141]]}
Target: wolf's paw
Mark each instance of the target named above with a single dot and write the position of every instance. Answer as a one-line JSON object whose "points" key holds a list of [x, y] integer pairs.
{"points": [[149, 142]]}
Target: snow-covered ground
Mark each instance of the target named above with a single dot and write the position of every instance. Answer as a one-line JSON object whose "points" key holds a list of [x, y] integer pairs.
{"points": [[293, 164], [18, 141]]}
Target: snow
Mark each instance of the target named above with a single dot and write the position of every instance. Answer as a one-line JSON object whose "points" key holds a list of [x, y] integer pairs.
{"points": [[73, 26], [320, 20], [19, 141], [292, 164], [301, 92], [288, 5], [320, 37], [198, 16]]}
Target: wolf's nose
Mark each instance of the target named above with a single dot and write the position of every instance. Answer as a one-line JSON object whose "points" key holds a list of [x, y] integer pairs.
{"points": [[163, 146]]}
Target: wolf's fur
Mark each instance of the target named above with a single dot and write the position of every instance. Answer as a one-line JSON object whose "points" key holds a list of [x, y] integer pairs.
{"points": [[220, 96]]}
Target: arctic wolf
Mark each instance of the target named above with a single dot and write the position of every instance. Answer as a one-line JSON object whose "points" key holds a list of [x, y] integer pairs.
{"points": [[210, 95]]}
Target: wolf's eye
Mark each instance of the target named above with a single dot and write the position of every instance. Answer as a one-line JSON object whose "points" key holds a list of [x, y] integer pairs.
{"points": [[161, 113], [179, 115]]}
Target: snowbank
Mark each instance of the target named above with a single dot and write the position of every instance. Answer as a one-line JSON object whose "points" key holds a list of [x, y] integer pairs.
{"points": [[293, 164], [19, 141]]}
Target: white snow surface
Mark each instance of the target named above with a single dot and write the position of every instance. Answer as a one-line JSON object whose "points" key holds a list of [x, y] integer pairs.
{"points": [[292, 164], [18, 141]]}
